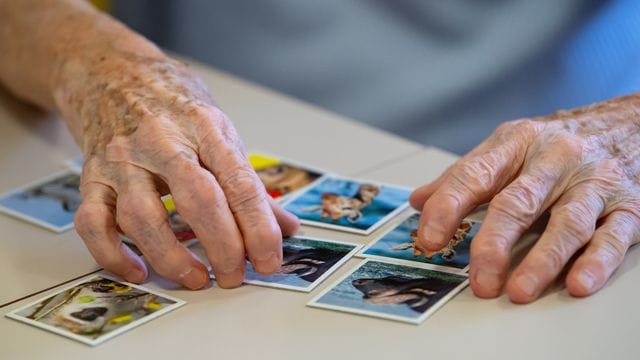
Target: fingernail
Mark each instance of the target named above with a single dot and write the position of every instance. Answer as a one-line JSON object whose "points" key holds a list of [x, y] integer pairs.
{"points": [[268, 264], [488, 279], [528, 284], [587, 280], [193, 278]]}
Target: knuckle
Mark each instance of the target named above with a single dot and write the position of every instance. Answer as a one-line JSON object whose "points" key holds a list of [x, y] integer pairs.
{"points": [[214, 128], [574, 220], [137, 213], [525, 125], [555, 256], [203, 192], [605, 178], [207, 117], [520, 127], [569, 145], [519, 203], [90, 222], [611, 250], [470, 179], [615, 168], [508, 126], [83, 220], [242, 188], [180, 160], [496, 245]]}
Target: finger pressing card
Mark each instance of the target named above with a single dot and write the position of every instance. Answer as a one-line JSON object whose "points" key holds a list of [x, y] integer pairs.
{"points": [[398, 244], [306, 263]]}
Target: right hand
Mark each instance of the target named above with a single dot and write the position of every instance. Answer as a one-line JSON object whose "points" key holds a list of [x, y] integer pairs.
{"points": [[148, 126]]}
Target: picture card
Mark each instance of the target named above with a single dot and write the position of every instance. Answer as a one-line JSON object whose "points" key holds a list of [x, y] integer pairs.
{"points": [[282, 177], [50, 202], [399, 244], [183, 232], [95, 310], [306, 262], [347, 204], [391, 291]]}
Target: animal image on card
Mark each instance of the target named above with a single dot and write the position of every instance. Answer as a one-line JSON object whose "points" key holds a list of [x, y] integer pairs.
{"points": [[348, 205], [51, 202], [399, 243], [306, 262], [391, 291], [95, 310], [282, 177]]}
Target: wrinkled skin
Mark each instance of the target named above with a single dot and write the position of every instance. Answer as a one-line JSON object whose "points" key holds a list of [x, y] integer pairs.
{"points": [[581, 165], [147, 126]]}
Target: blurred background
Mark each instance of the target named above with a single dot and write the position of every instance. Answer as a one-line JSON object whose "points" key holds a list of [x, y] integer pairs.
{"points": [[443, 73]]}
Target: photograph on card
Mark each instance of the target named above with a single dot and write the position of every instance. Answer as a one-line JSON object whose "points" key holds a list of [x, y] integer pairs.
{"points": [[391, 291], [51, 202], [399, 243], [306, 262], [282, 177], [348, 204], [95, 310]]}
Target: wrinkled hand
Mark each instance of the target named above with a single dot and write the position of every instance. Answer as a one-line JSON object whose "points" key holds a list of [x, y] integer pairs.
{"points": [[582, 165], [147, 126]]}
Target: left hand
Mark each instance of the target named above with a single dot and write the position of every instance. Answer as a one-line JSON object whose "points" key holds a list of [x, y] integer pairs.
{"points": [[581, 165]]}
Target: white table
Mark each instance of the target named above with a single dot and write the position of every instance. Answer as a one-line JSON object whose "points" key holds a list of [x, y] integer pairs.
{"points": [[262, 323]]}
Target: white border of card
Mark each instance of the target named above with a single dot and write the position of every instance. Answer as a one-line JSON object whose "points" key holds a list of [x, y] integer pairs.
{"points": [[343, 228], [30, 218], [83, 339], [416, 263], [315, 302], [295, 163], [315, 283]]}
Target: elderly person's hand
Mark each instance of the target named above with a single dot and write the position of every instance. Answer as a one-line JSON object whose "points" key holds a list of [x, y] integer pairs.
{"points": [[581, 165], [147, 126]]}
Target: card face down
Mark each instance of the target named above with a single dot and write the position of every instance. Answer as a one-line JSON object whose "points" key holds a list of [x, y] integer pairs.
{"points": [[96, 309], [282, 177], [398, 244], [51, 202], [391, 291], [347, 204], [306, 262]]}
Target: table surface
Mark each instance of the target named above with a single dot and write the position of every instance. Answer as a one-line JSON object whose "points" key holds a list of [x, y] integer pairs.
{"points": [[257, 322]]}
